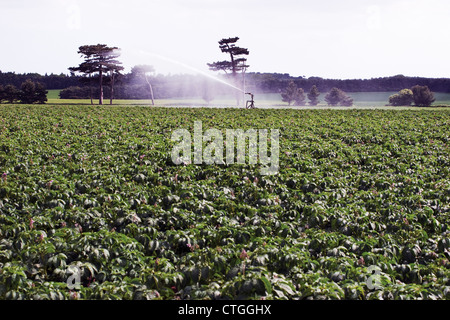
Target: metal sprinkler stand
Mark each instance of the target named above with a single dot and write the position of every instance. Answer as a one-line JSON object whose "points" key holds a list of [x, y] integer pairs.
{"points": [[250, 104]]}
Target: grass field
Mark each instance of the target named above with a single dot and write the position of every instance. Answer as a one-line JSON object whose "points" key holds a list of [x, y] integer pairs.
{"points": [[272, 100], [89, 196]]}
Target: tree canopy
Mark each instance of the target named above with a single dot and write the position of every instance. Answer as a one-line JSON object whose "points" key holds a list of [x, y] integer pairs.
{"points": [[422, 95], [99, 60], [237, 61], [293, 94], [313, 96], [337, 96], [403, 98]]}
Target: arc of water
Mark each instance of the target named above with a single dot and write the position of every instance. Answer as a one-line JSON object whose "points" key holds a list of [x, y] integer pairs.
{"points": [[206, 74]]}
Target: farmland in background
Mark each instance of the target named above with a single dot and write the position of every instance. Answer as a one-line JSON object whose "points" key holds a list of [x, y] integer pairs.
{"points": [[264, 100]]}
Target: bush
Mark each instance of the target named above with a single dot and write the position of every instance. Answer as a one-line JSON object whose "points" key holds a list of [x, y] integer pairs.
{"points": [[2, 93], [31, 92], [75, 92], [10, 93], [347, 101], [337, 96], [402, 98], [422, 96]]}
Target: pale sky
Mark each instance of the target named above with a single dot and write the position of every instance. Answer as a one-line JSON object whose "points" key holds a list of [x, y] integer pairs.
{"points": [[325, 38]]}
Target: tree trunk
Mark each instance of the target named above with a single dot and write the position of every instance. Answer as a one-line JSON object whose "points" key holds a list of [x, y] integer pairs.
{"points": [[90, 89], [100, 101], [112, 88], [151, 89]]}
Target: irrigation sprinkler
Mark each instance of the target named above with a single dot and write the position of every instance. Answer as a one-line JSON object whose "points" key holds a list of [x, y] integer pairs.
{"points": [[250, 103]]}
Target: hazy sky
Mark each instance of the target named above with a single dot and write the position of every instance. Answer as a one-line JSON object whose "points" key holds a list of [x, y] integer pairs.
{"points": [[325, 38]]}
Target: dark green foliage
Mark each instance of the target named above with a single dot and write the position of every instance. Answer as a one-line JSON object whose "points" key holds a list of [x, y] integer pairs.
{"points": [[237, 63], [266, 82], [27, 92], [2, 93], [31, 92], [11, 93], [402, 98], [422, 96], [75, 92], [100, 65], [94, 188], [40, 93]]}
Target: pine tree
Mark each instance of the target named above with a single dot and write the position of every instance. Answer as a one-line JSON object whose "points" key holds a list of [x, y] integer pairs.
{"points": [[289, 94], [101, 60], [300, 97], [313, 96], [40, 93], [237, 62], [334, 97]]}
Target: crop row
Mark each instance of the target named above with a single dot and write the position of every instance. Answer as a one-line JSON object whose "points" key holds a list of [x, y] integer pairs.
{"points": [[94, 190]]}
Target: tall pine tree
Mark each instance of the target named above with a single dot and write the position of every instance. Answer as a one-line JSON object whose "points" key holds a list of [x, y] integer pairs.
{"points": [[99, 60], [237, 62]]}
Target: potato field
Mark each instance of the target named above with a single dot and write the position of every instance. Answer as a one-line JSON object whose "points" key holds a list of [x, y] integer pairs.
{"points": [[93, 207]]}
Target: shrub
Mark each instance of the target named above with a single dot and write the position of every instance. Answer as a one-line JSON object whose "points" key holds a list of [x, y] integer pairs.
{"points": [[31, 92], [337, 96], [75, 92], [10, 93], [2, 93], [422, 95], [402, 98]]}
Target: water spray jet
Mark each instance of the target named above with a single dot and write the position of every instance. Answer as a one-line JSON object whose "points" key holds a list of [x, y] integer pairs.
{"points": [[184, 65], [250, 103]]}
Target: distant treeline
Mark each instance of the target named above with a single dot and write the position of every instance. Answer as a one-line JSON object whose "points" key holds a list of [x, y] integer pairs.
{"points": [[187, 85], [274, 82], [50, 81]]}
